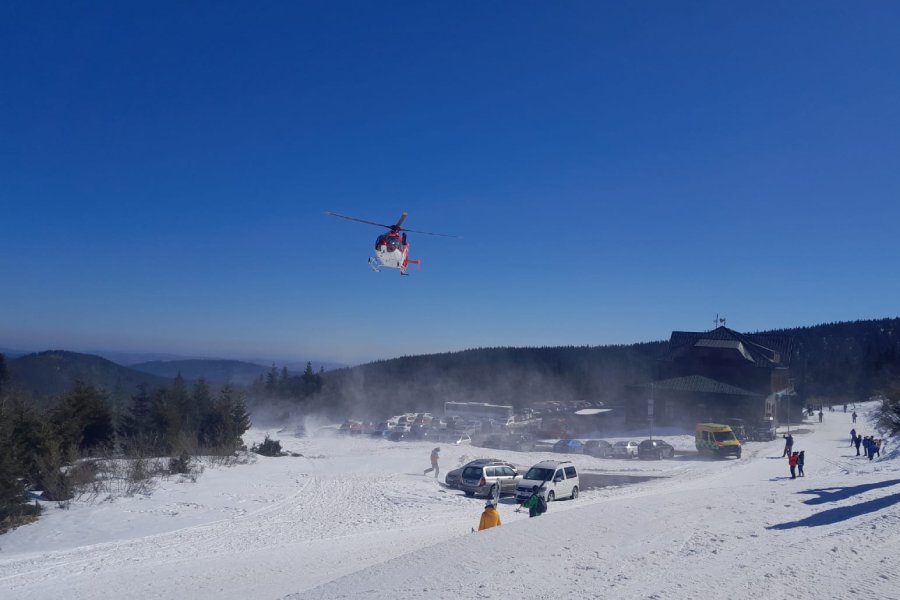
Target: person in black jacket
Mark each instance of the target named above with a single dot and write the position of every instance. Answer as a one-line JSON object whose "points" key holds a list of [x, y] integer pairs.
{"points": [[858, 442], [800, 459], [788, 445]]}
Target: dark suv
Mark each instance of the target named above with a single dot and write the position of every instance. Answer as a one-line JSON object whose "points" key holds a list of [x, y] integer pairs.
{"points": [[657, 449]]}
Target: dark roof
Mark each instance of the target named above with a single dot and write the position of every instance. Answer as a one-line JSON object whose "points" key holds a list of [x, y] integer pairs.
{"points": [[760, 349], [696, 384]]}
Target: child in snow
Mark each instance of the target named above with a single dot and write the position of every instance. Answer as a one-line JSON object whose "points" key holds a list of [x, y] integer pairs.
{"points": [[792, 463], [490, 517], [800, 461]]}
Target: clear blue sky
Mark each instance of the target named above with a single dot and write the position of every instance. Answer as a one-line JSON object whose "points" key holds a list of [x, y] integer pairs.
{"points": [[616, 170]]}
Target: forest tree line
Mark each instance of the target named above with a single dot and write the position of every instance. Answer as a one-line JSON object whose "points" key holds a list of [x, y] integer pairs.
{"points": [[40, 444]]}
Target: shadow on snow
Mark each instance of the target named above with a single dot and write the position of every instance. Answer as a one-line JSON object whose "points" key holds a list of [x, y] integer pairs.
{"points": [[842, 513]]}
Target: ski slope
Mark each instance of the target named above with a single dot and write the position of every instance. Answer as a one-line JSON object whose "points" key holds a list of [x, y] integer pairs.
{"points": [[356, 518]]}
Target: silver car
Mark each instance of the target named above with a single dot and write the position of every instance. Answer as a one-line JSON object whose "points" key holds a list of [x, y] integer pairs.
{"points": [[489, 479], [625, 449]]}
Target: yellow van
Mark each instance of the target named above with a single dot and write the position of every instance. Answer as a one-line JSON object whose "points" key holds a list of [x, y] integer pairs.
{"points": [[716, 439]]}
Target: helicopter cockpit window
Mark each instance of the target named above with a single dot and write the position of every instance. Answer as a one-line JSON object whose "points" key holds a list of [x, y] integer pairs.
{"points": [[391, 242]]}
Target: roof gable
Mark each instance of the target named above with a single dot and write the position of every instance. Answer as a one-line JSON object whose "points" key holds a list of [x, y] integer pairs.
{"points": [[764, 350]]}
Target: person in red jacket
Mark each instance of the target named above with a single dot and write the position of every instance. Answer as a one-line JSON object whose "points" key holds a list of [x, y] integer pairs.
{"points": [[792, 461]]}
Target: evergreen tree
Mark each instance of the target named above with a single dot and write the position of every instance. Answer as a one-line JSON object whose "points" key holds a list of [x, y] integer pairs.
{"points": [[201, 404], [84, 419], [3, 374], [12, 492], [137, 427], [272, 380], [165, 418]]}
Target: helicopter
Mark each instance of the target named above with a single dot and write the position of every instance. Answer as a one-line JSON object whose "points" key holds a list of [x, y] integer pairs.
{"points": [[391, 247]]}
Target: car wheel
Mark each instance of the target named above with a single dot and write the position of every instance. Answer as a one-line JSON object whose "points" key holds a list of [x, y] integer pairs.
{"points": [[551, 496], [574, 492], [470, 494]]}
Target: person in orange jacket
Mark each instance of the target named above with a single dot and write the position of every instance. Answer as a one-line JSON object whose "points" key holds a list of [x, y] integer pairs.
{"points": [[792, 461], [490, 517]]}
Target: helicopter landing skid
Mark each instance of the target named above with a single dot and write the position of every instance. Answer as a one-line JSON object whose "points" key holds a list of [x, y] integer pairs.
{"points": [[373, 263]]}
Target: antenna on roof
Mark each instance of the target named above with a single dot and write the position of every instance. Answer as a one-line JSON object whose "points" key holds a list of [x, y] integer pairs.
{"points": [[717, 321]]}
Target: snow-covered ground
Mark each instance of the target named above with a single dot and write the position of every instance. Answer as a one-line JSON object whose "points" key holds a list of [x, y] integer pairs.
{"points": [[356, 518]]}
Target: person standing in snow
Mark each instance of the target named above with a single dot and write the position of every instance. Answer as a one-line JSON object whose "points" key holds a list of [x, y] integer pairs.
{"points": [[792, 463], [788, 445], [800, 460], [490, 517], [853, 437], [858, 442], [435, 454], [854, 416], [533, 502], [820, 415]]}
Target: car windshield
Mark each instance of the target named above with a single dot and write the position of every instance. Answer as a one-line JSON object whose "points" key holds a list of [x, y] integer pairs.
{"points": [[723, 436], [621, 444], [472, 472], [539, 474]]}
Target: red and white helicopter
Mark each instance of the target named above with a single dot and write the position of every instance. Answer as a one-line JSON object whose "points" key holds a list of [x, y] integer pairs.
{"points": [[391, 248]]}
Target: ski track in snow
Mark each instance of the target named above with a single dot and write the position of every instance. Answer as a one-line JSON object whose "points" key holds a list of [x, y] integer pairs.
{"points": [[355, 518]]}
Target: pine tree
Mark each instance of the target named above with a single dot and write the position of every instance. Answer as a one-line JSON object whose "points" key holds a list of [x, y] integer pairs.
{"points": [[84, 419]]}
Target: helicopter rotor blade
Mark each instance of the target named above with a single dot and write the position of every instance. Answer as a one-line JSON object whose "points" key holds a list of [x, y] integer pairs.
{"points": [[334, 214], [429, 233]]}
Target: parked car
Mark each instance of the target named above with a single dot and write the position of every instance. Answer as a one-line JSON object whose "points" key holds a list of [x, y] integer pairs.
{"points": [[554, 478], [489, 479], [397, 436], [598, 448], [496, 441], [519, 442], [740, 429], [569, 446], [625, 449], [452, 478], [764, 431], [458, 438], [657, 449]]}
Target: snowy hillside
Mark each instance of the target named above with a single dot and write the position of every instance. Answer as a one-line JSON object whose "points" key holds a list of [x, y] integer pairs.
{"points": [[356, 518]]}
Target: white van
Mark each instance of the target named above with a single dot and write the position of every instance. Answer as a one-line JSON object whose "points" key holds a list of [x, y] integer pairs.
{"points": [[554, 478]]}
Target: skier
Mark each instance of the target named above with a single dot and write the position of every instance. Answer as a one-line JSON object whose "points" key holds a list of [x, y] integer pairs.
{"points": [[490, 517], [858, 442], [800, 460], [792, 463], [434, 463], [533, 504]]}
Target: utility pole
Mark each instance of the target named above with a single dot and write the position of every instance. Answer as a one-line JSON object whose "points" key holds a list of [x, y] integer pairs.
{"points": [[650, 410]]}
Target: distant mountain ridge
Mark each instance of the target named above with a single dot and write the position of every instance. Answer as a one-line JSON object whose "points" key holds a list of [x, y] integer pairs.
{"points": [[54, 372], [213, 370]]}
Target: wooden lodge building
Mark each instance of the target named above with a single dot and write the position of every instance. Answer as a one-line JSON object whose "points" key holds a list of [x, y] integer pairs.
{"points": [[713, 376]]}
